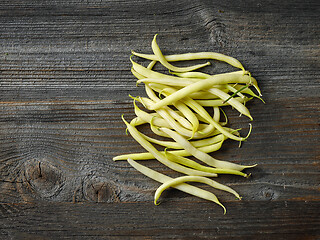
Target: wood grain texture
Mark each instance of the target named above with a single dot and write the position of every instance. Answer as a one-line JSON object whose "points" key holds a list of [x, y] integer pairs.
{"points": [[65, 79]]}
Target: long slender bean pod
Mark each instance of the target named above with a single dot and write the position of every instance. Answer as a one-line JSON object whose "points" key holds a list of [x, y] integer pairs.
{"points": [[190, 163], [148, 73], [184, 122], [159, 177], [203, 113], [195, 143], [191, 74], [156, 50], [195, 56], [160, 156], [183, 153], [170, 120], [233, 102], [183, 179], [219, 102], [200, 85], [202, 156]]}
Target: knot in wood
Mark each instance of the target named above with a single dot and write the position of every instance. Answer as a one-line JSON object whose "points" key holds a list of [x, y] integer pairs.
{"points": [[99, 190], [269, 194], [43, 178]]}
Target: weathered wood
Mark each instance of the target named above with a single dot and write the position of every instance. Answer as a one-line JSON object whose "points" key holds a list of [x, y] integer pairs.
{"points": [[65, 79], [172, 220]]}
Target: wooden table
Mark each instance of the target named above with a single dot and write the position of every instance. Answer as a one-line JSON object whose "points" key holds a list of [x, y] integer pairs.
{"points": [[65, 79]]}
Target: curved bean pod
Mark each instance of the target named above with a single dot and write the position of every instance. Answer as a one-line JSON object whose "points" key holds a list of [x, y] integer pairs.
{"points": [[203, 113], [159, 177], [232, 101], [184, 122], [148, 73], [195, 56], [195, 143], [192, 164], [191, 74], [198, 86], [159, 156], [156, 50], [219, 102], [183, 179], [202, 156], [183, 153], [147, 117]]}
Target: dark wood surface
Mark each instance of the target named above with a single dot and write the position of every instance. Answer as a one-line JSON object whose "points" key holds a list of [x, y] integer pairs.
{"points": [[65, 79]]}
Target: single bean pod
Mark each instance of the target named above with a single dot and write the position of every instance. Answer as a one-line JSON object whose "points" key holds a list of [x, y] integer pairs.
{"points": [[156, 50]]}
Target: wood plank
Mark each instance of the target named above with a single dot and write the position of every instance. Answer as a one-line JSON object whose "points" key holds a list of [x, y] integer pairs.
{"points": [[171, 220], [65, 79]]}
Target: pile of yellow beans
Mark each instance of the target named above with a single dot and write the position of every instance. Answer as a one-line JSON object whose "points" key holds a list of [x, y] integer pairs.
{"points": [[176, 110]]}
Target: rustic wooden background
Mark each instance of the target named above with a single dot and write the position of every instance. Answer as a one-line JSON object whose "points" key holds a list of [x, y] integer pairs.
{"points": [[65, 79]]}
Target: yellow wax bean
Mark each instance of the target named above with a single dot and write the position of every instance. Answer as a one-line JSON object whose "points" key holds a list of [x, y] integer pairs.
{"points": [[160, 156], [191, 74], [184, 153], [159, 177], [232, 101], [156, 50], [147, 117], [179, 180], [195, 143], [169, 119], [219, 102], [184, 122], [195, 56], [203, 113], [190, 163], [202, 156], [198, 86], [148, 73]]}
